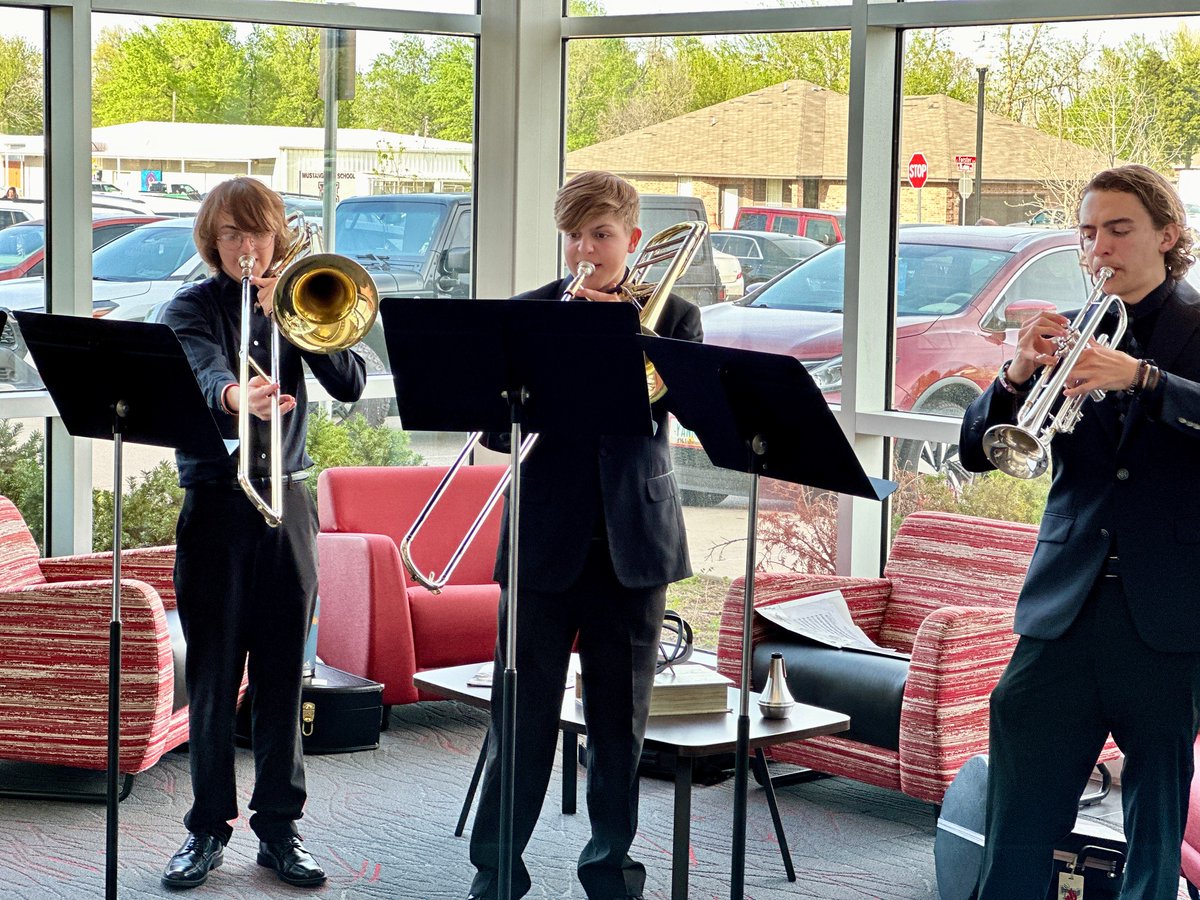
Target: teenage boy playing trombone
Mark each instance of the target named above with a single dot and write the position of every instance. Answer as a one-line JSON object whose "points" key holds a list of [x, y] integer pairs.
{"points": [[601, 537], [245, 590], [1109, 616]]}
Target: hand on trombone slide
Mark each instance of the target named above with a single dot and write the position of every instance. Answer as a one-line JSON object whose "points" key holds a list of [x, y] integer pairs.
{"points": [[259, 392]]}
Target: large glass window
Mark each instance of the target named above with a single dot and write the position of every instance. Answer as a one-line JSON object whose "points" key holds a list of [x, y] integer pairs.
{"points": [[1001, 128], [22, 186]]}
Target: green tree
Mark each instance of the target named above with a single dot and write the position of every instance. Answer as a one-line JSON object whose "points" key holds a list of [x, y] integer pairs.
{"points": [[449, 96], [283, 74], [932, 67], [1116, 115], [175, 70], [22, 478], [149, 510], [598, 72], [354, 443], [20, 87], [1172, 76]]}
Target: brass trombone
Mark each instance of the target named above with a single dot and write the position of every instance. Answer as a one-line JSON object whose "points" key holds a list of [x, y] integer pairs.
{"points": [[1023, 450], [675, 245], [323, 303]]}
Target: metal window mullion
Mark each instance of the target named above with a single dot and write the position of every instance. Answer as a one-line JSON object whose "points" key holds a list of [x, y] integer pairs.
{"points": [[518, 145], [68, 498], [870, 176]]}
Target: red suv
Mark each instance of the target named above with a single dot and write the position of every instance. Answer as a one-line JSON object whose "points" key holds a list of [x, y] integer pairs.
{"points": [[23, 246], [822, 225], [961, 293]]}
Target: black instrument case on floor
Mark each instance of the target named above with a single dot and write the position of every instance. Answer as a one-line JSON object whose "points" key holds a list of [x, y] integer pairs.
{"points": [[339, 712]]}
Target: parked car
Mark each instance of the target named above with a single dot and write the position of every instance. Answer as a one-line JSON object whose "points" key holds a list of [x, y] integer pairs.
{"points": [[961, 294], [730, 271], [109, 196], [700, 283], [170, 204], [764, 254], [1048, 218], [178, 189], [23, 246], [419, 245], [134, 277], [312, 208], [14, 211], [822, 225]]}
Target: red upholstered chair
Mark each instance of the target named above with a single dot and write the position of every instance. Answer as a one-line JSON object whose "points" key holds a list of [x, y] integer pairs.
{"points": [[374, 620], [54, 642], [1191, 834], [947, 596]]}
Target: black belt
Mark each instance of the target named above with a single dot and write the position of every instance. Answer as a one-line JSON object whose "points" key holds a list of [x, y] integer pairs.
{"points": [[1111, 568], [259, 483]]}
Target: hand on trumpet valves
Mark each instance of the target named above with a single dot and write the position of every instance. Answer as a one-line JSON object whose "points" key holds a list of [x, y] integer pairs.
{"points": [[1038, 344], [1101, 368], [259, 392]]}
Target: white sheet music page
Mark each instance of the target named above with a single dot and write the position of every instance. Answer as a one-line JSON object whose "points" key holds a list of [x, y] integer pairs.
{"points": [[824, 618]]}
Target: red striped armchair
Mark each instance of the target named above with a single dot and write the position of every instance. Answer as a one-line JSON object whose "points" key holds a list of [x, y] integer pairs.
{"points": [[54, 643], [947, 596]]}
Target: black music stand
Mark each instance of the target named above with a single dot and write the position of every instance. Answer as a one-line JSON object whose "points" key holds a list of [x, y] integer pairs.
{"points": [[516, 366], [762, 414], [119, 381]]}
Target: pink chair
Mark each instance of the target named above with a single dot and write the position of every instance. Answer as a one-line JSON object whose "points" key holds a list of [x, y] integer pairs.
{"points": [[1190, 863], [374, 620], [54, 647], [947, 596]]}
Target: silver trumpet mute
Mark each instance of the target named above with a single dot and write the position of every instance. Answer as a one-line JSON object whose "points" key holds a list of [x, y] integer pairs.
{"points": [[776, 701]]}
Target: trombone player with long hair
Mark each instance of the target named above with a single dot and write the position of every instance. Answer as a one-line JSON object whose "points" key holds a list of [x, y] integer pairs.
{"points": [[1109, 617], [246, 586]]}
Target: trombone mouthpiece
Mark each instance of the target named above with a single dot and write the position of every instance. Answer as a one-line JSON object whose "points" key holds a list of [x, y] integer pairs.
{"points": [[585, 269], [247, 264]]}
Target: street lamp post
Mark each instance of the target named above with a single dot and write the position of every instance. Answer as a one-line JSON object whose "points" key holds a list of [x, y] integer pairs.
{"points": [[982, 70]]}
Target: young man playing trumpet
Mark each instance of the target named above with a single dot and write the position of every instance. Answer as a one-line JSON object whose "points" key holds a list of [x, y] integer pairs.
{"points": [[1108, 618]]}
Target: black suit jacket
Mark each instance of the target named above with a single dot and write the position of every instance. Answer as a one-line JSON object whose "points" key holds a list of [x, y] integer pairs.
{"points": [[577, 487], [1134, 486]]}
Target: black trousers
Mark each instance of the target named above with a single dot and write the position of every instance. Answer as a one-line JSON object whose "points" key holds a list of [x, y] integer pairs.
{"points": [[619, 630], [1051, 712], [245, 591]]}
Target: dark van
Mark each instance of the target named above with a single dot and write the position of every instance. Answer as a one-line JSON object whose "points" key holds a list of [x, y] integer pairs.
{"points": [[822, 225], [701, 282]]}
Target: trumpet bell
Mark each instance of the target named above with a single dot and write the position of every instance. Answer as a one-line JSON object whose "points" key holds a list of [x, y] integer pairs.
{"points": [[325, 303], [1015, 451]]}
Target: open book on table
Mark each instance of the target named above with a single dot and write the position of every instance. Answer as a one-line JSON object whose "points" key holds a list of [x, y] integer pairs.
{"points": [[824, 618]]}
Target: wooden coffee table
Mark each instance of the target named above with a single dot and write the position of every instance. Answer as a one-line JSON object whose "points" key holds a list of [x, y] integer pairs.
{"points": [[686, 738]]}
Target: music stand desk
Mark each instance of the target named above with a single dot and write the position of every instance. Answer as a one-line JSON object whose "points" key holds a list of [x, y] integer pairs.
{"points": [[686, 738]]}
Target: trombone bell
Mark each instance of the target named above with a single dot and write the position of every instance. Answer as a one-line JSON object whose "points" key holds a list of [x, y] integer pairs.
{"points": [[325, 303]]}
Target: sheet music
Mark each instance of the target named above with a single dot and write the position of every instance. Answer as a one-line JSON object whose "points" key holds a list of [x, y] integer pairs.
{"points": [[824, 618]]}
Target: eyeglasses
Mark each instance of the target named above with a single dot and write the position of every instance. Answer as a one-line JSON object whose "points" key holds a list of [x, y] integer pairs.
{"points": [[237, 238]]}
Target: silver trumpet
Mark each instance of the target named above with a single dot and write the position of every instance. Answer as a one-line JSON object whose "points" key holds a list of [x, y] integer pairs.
{"points": [[1023, 450]]}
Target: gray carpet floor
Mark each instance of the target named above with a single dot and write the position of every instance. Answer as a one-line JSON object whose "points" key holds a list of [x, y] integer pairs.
{"points": [[382, 822]]}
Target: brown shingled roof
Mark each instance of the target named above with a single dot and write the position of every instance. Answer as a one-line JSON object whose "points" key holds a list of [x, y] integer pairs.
{"points": [[796, 129]]}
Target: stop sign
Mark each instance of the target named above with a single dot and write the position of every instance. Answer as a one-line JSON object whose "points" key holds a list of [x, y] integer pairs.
{"points": [[918, 170]]}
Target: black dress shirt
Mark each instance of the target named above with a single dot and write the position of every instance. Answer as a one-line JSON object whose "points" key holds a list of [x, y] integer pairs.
{"points": [[207, 318]]}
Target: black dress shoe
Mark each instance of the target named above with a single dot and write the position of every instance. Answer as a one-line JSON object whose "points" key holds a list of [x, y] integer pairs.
{"points": [[291, 861], [199, 855]]}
